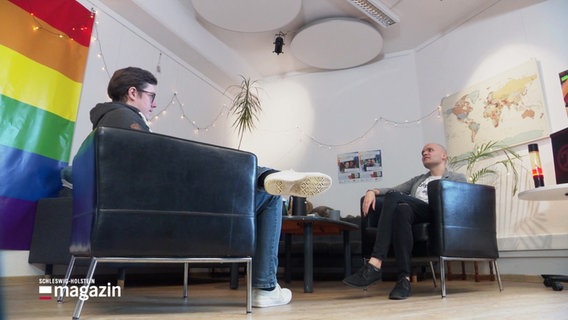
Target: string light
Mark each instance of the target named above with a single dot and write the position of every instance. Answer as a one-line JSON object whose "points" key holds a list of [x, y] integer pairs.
{"points": [[408, 123], [95, 39], [197, 129], [392, 123], [38, 26], [173, 99]]}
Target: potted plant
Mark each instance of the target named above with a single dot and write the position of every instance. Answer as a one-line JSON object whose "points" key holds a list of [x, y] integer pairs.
{"points": [[245, 106], [478, 164]]}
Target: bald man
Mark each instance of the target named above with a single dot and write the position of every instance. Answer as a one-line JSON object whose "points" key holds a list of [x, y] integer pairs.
{"points": [[403, 206]]}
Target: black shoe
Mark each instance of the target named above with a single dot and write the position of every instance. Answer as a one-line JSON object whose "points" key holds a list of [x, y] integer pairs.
{"points": [[366, 276], [401, 291]]}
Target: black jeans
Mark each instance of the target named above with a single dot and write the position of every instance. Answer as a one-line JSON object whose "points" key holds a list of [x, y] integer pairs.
{"points": [[399, 212]]}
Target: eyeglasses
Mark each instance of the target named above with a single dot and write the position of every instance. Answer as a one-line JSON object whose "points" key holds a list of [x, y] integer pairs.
{"points": [[151, 94]]}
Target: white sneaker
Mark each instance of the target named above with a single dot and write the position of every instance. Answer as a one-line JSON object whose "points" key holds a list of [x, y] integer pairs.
{"points": [[277, 297], [299, 184]]}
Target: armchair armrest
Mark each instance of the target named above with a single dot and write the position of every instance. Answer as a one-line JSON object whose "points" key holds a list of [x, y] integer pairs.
{"points": [[464, 219]]}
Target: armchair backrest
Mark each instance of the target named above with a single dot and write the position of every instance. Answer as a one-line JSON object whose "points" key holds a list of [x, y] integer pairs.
{"points": [[464, 219], [139, 194]]}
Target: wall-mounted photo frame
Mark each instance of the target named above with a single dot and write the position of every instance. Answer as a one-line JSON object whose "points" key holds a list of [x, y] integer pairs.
{"points": [[360, 166]]}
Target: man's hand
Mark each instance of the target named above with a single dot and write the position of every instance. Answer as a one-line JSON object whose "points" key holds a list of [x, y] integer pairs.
{"points": [[369, 201]]}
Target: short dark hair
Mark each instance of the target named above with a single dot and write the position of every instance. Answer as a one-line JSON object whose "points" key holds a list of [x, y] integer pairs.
{"points": [[123, 79]]}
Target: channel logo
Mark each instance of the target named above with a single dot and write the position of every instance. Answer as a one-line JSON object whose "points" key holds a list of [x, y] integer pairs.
{"points": [[83, 292], [45, 293]]}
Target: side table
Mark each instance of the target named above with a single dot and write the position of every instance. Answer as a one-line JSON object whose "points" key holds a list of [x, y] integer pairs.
{"points": [[309, 226], [549, 193]]}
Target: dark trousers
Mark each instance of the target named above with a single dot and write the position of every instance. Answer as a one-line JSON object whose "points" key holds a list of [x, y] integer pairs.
{"points": [[399, 212]]}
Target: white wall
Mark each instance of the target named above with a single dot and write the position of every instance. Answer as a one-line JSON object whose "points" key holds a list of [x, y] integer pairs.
{"points": [[308, 119], [480, 49], [484, 47], [180, 86]]}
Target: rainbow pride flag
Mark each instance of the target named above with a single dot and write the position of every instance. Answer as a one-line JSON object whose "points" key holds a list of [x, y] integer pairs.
{"points": [[43, 53]]}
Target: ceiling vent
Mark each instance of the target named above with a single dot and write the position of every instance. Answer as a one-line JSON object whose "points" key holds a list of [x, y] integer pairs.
{"points": [[377, 11]]}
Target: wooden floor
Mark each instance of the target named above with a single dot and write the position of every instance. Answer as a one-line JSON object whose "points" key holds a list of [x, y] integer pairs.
{"points": [[330, 300]]}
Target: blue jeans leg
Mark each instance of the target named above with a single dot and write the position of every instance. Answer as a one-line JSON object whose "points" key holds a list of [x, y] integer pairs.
{"points": [[268, 226]]}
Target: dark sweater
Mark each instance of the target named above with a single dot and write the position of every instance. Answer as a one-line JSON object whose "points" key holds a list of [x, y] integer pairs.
{"points": [[117, 115]]}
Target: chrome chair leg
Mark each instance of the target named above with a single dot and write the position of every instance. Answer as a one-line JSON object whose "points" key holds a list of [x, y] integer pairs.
{"points": [[249, 285], [443, 276], [498, 275], [95, 260], [67, 277], [85, 288], [433, 273], [185, 279], [443, 271]]}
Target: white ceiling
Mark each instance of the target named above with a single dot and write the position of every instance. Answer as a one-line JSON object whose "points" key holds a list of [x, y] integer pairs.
{"points": [[169, 21]]}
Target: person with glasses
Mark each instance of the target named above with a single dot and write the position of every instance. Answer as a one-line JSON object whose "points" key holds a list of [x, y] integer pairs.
{"points": [[133, 94]]}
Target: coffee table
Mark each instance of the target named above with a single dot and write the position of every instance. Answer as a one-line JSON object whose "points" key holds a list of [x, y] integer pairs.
{"points": [[309, 226]]}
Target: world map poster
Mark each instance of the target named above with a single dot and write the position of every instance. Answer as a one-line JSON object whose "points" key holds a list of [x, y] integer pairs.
{"points": [[508, 108]]}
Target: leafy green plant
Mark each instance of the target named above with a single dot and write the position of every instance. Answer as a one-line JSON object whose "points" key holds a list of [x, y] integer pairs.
{"points": [[245, 106], [476, 166]]}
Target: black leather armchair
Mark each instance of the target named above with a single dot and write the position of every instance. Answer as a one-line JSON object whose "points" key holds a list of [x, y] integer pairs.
{"points": [[148, 198], [463, 226]]}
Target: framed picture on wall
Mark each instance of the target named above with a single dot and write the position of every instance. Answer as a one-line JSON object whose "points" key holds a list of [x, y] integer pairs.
{"points": [[360, 166], [508, 108], [564, 84]]}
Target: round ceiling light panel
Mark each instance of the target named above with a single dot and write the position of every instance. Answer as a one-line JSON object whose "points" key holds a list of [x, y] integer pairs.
{"points": [[337, 43], [248, 15]]}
